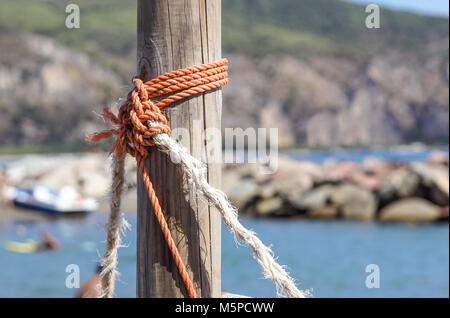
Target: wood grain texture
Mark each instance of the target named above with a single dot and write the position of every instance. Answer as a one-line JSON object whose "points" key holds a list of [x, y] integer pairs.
{"points": [[172, 35]]}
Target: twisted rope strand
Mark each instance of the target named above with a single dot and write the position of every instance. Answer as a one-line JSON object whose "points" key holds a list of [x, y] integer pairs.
{"points": [[165, 228], [189, 92], [187, 71], [196, 174], [168, 86], [109, 260]]}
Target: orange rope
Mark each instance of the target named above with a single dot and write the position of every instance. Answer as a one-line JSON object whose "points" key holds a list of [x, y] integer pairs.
{"points": [[134, 134]]}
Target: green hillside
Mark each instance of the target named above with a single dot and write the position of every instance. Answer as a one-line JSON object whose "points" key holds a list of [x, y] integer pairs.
{"points": [[291, 26], [249, 26]]}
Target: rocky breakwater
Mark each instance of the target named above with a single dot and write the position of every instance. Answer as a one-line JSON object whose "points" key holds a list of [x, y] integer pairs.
{"points": [[372, 190], [416, 192]]}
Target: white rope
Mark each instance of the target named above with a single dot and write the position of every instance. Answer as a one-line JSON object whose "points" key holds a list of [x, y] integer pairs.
{"points": [[196, 174], [115, 224]]}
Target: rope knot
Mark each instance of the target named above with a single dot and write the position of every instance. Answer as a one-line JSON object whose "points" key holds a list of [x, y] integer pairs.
{"points": [[139, 119]]}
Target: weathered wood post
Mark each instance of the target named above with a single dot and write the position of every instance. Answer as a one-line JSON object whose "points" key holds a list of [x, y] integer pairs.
{"points": [[173, 35]]}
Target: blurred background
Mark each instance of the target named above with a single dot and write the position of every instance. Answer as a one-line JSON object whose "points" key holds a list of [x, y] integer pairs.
{"points": [[363, 126]]}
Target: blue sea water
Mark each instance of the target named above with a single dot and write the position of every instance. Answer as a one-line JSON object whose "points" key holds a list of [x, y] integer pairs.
{"points": [[328, 257], [399, 154]]}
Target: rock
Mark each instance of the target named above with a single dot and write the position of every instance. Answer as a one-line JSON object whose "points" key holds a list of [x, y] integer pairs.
{"points": [[269, 206], [54, 77], [390, 72], [379, 167], [437, 157], [245, 186], [313, 203], [230, 178], [242, 192], [341, 170], [444, 213], [354, 203], [313, 199], [403, 114], [363, 180], [435, 122], [267, 191], [367, 174], [272, 117], [323, 212], [433, 174], [399, 184], [322, 130], [434, 182], [411, 210], [287, 181], [64, 175], [437, 196], [94, 184], [308, 168], [366, 121], [32, 167], [88, 174]]}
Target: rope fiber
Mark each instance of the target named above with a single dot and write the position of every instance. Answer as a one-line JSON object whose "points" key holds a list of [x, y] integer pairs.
{"points": [[141, 124]]}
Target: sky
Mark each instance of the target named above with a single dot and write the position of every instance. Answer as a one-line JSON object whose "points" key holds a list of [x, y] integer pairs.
{"points": [[430, 7]]}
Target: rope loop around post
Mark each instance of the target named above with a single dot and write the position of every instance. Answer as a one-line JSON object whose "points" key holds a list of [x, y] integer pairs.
{"points": [[141, 124], [139, 120]]}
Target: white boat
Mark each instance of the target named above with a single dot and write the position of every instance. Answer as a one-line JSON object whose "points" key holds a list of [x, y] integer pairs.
{"points": [[41, 198]]}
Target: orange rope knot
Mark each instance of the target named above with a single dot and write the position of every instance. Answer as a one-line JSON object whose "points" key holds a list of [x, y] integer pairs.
{"points": [[140, 119], [133, 133]]}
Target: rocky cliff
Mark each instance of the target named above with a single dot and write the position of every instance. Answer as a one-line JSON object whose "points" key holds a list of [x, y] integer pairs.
{"points": [[324, 101], [323, 82], [48, 92]]}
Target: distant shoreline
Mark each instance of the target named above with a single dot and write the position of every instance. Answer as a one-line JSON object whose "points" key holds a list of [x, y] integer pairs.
{"points": [[351, 184], [49, 149]]}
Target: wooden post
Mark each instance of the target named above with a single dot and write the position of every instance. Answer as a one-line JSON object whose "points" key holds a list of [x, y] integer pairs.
{"points": [[173, 35]]}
